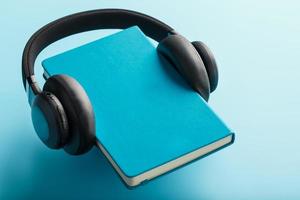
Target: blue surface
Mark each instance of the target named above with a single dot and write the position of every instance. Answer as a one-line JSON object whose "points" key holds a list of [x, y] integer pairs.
{"points": [[146, 114], [257, 46]]}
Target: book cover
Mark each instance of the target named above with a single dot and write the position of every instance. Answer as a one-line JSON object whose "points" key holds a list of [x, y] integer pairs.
{"points": [[148, 120]]}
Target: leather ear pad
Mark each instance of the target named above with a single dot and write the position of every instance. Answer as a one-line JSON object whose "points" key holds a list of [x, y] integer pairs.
{"points": [[181, 53], [79, 112], [49, 120], [209, 62]]}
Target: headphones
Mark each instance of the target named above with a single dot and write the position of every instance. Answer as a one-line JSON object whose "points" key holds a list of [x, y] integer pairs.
{"points": [[62, 113]]}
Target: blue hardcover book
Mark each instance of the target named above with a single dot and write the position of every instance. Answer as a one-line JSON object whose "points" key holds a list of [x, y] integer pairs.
{"points": [[148, 120]]}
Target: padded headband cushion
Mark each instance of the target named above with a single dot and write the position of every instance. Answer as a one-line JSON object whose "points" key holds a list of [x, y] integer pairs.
{"points": [[79, 112], [87, 21], [187, 61]]}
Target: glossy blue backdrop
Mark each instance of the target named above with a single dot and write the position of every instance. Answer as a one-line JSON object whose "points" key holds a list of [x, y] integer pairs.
{"points": [[257, 45]]}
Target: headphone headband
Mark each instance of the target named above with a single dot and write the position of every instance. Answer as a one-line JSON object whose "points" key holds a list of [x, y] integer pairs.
{"points": [[81, 22]]}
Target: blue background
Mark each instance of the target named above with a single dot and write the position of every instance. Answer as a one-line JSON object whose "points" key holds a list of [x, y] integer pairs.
{"points": [[257, 46]]}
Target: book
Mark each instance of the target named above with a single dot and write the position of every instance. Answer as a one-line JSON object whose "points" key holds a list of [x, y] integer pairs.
{"points": [[148, 119]]}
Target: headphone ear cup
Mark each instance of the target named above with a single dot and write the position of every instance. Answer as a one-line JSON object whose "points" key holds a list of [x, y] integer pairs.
{"points": [[209, 63], [49, 120], [78, 110], [181, 53]]}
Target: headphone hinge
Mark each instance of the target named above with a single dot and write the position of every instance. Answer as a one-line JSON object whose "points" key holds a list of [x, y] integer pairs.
{"points": [[32, 89], [173, 32]]}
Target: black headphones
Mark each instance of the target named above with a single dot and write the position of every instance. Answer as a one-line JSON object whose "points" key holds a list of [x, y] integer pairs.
{"points": [[62, 114]]}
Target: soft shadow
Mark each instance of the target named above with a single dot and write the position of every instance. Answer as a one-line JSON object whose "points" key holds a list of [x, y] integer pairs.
{"points": [[50, 174]]}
